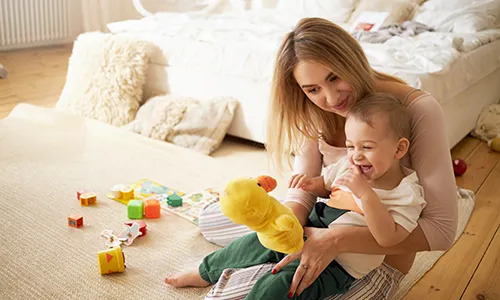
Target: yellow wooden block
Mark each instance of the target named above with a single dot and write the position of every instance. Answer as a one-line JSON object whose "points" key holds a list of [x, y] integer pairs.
{"points": [[127, 193], [111, 261], [88, 199]]}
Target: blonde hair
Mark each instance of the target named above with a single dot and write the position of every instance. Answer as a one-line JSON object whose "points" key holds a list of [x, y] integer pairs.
{"points": [[392, 109], [293, 119]]}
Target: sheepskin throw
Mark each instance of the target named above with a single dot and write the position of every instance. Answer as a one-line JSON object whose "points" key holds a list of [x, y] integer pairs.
{"points": [[196, 124], [488, 123], [106, 76]]}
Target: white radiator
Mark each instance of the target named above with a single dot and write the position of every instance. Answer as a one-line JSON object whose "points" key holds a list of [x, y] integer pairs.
{"points": [[32, 23]]}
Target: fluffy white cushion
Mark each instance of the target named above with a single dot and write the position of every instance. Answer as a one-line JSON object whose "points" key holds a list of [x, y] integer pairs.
{"points": [[464, 16], [488, 123], [399, 10], [186, 122], [337, 11], [106, 76]]}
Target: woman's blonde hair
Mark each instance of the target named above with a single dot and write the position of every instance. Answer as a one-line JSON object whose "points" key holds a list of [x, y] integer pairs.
{"points": [[293, 119]]}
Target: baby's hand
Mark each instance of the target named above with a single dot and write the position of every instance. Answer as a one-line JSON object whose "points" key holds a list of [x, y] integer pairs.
{"points": [[298, 181], [354, 180], [305, 182]]}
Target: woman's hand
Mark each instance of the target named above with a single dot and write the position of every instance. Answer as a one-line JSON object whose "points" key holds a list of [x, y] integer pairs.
{"points": [[318, 252]]}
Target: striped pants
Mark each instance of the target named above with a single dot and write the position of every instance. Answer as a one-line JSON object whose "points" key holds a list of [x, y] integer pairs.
{"points": [[380, 284]]}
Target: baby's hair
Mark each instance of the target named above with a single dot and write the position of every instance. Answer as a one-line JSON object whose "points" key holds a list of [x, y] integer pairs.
{"points": [[396, 113]]}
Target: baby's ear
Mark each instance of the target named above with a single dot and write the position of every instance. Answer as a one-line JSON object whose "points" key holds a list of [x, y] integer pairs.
{"points": [[403, 146]]}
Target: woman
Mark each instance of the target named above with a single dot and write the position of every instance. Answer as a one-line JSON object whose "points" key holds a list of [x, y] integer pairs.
{"points": [[320, 72]]}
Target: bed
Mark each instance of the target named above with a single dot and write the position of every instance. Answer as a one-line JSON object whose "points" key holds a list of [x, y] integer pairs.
{"points": [[202, 54]]}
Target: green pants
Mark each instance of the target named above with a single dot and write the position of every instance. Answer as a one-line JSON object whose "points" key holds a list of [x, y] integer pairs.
{"points": [[247, 251]]}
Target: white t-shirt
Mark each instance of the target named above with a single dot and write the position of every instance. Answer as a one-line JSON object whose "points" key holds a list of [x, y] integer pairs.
{"points": [[404, 203]]}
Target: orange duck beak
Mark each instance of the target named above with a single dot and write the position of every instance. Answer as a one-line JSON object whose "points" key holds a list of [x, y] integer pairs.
{"points": [[267, 182]]}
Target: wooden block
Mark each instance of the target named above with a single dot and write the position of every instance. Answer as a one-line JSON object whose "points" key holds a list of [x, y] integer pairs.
{"points": [[75, 221], [111, 261], [152, 208], [127, 193], [88, 199], [135, 209]]}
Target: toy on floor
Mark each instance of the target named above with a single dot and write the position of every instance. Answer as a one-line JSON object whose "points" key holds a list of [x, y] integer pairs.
{"points": [[135, 209], [174, 200], [142, 226], [111, 261], [86, 198], [111, 239], [121, 191], [494, 144], [459, 166], [79, 193], [190, 205], [75, 221], [126, 236], [152, 208], [246, 201], [139, 190], [130, 233]]}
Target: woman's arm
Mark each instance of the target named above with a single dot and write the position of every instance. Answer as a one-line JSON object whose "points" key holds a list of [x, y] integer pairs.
{"points": [[431, 159], [299, 210], [358, 239]]}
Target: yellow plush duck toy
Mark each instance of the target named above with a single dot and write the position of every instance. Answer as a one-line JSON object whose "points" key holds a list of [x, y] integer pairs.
{"points": [[246, 201]]}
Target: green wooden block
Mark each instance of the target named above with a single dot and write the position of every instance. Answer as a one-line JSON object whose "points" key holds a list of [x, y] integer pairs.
{"points": [[174, 200], [134, 209]]}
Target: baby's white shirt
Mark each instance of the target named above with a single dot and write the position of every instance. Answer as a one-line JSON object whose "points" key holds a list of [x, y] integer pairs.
{"points": [[404, 203]]}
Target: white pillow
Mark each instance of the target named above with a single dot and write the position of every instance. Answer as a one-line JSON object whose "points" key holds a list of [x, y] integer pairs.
{"points": [[464, 16], [337, 11], [399, 10], [196, 124]]}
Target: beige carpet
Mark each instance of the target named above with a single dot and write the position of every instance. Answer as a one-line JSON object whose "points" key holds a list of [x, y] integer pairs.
{"points": [[46, 156], [44, 159]]}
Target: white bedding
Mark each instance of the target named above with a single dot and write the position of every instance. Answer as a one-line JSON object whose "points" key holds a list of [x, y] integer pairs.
{"points": [[202, 57], [244, 43]]}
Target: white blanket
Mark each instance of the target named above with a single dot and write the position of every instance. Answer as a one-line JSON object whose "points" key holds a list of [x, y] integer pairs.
{"points": [[245, 43]]}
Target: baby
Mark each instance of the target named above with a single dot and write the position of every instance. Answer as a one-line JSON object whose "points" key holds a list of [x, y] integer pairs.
{"points": [[368, 187]]}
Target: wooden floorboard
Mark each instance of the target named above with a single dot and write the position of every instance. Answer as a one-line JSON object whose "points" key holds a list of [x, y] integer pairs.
{"points": [[485, 283], [450, 276], [465, 148], [480, 163], [36, 76], [470, 270]]}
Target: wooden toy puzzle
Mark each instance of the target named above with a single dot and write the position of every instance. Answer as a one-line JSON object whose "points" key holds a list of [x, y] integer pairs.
{"points": [[139, 190]]}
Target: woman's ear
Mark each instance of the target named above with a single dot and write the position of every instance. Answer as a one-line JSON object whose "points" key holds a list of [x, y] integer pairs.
{"points": [[403, 146]]}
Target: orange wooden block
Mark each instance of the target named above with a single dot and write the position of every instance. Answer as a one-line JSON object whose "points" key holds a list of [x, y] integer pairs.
{"points": [[152, 208], [75, 221]]}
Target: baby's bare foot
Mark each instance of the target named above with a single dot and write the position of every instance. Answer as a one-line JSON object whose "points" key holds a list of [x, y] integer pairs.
{"points": [[190, 278]]}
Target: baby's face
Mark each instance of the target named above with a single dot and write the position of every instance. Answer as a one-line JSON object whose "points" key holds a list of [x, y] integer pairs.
{"points": [[372, 149]]}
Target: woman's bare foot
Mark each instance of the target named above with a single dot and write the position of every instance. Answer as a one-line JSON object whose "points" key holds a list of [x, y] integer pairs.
{"points": [[190, 278]]}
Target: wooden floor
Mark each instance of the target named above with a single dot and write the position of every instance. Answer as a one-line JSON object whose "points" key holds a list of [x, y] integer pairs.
{"points": [[470, 270]]}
